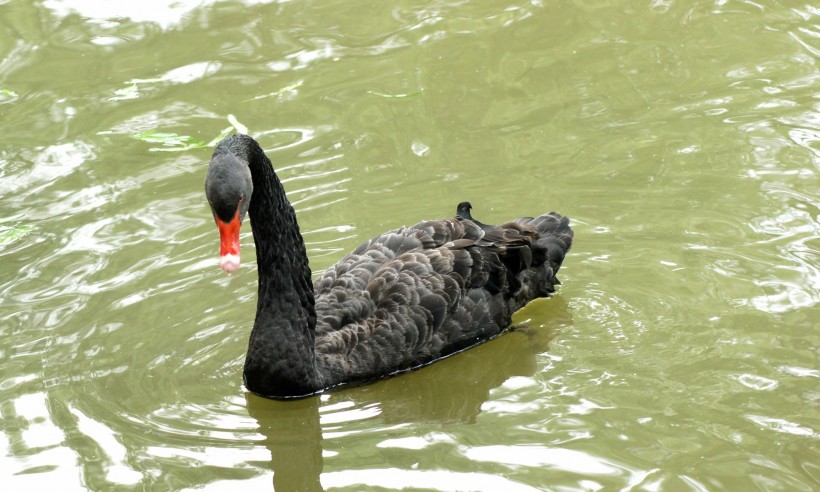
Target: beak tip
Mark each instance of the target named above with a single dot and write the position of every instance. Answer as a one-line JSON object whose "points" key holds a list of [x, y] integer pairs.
{"points": [[229, 263]]}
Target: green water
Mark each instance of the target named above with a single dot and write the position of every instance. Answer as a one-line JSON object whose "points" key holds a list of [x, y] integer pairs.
{"points": [[682, 138]]}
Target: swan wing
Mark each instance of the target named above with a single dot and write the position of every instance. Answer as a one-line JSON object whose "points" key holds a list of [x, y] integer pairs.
{"points": [[415, 294]]}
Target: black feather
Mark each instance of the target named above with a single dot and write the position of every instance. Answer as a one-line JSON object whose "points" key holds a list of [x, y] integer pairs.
{"points": [[400, 300]]}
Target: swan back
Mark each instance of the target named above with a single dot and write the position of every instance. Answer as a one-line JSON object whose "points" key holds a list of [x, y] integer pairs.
{"points": [[415, 294]]}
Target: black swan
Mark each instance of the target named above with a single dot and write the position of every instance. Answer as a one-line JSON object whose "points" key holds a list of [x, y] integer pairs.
{"points": [[399, 301]]}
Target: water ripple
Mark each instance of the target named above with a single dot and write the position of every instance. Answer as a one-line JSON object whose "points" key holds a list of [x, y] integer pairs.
{"points": [[680, 353]]}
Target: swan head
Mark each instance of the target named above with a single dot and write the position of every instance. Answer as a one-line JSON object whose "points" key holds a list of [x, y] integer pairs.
{"points": [[228, 187], [463, 210]]}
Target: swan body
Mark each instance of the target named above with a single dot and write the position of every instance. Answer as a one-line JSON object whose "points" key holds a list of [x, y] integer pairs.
{"points": [[401, 300]]}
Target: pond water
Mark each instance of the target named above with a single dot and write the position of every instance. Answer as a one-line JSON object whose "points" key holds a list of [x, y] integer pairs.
{"points": [[681, 137]]}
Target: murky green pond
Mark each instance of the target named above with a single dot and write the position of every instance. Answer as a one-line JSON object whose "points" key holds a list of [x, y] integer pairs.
{"points": [[681, 137]]}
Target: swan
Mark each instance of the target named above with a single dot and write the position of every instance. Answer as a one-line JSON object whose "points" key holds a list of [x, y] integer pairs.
{"points": [[399, 301]]}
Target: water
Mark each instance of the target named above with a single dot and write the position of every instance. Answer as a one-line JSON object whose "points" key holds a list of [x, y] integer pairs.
{"points": [[682, 138]]}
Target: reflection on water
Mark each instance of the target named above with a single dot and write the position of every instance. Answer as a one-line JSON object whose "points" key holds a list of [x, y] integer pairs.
{"points": [[298, 434], [681, 138]]}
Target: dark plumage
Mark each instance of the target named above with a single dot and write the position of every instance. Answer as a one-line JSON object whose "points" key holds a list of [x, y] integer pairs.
{"points": [[401, 300], [463, 211]]}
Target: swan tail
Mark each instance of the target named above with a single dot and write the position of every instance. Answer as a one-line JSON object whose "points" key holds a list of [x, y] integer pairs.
{"points": [[552, 241]]}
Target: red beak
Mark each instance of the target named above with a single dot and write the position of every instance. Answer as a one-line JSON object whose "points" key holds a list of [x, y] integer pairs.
{"points": [[229, 243]]}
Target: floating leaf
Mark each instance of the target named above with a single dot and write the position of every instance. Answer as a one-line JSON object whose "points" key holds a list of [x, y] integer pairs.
{"points": [[172, 142], [10, 234]]}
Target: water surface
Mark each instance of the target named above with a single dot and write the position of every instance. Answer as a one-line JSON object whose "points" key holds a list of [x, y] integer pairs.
{"points": [[682, 138]]}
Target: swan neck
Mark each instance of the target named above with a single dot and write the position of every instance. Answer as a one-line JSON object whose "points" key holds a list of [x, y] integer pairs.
{"points": [[281, 359]]}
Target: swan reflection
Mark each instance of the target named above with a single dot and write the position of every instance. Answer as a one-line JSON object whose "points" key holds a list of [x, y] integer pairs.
{"points": [[300, 434]]}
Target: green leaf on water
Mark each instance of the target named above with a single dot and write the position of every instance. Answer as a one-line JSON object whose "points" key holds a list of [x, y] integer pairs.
{"points": [[10, 234], [172, 142]]}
